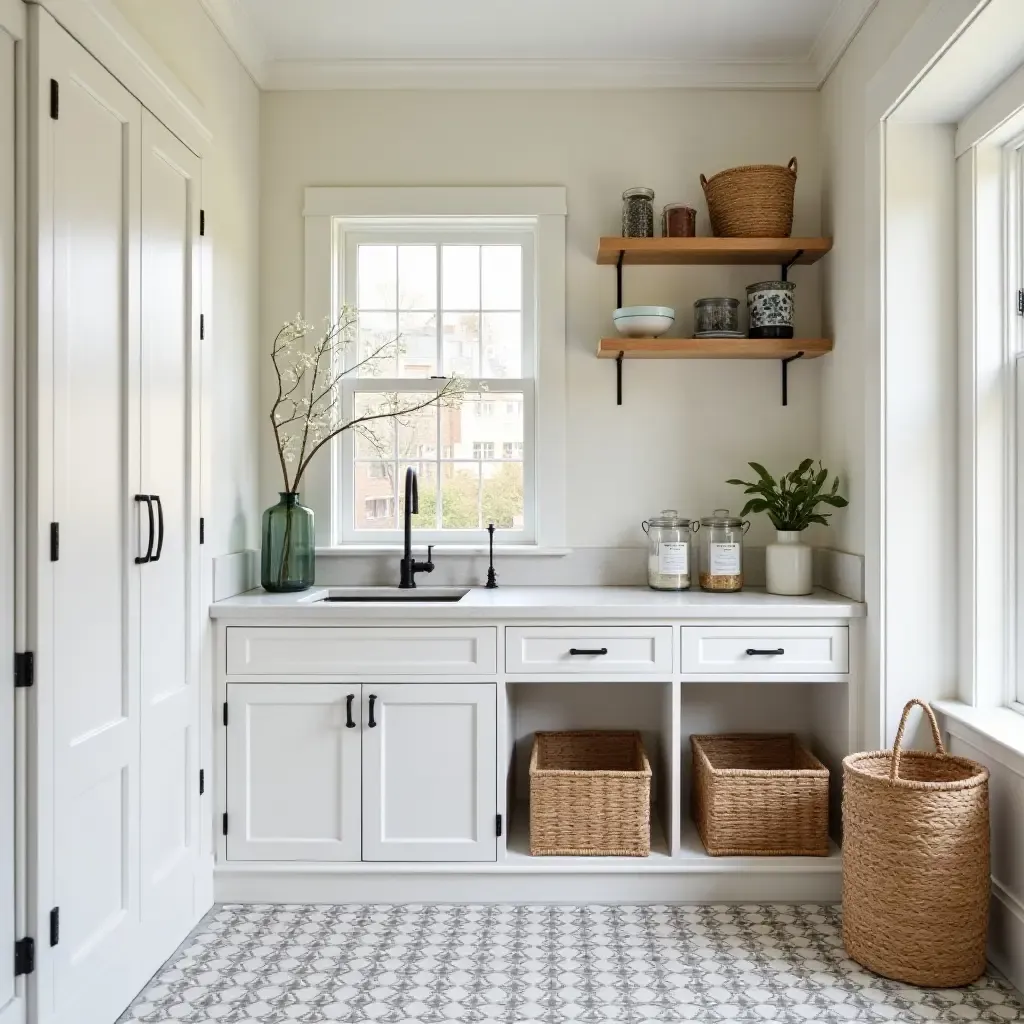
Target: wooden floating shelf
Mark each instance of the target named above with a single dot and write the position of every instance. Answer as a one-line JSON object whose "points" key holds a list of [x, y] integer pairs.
{"points": [[713, 348], [713, 251]]}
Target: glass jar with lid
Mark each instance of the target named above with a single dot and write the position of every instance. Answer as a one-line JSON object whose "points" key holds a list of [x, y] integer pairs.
{"points": [[668, 550], [721, 551], [638, 213]]}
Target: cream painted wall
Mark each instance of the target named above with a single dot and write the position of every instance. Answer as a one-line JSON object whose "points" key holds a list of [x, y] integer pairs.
{"points": [[843, 120], [684, 427], [187, 41]]}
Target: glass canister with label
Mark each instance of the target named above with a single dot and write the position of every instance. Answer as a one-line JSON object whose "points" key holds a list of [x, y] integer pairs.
{"points": [[721, 551], [668, 550]]}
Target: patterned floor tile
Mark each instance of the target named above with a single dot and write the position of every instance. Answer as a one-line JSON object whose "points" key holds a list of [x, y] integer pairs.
{"points": [[420, 964]]}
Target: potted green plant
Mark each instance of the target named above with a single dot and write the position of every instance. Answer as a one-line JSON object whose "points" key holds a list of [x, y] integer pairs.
{"points": [[792, 504], [307, 413]]}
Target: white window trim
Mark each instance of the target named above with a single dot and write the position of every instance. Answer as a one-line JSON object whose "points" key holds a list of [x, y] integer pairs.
{"points": [[991, 401], [546, 207]]}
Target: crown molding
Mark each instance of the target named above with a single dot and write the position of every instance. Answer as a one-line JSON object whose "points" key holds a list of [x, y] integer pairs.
{"points": [[837, 33], [235, 25], [517, 73]]}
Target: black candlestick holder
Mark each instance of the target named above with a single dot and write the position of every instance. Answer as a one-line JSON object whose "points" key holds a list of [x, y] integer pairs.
{"points": [[492, 576]]}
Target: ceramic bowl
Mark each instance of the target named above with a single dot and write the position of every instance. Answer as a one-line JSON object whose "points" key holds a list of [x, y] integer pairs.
{"points": [[643, 321]]}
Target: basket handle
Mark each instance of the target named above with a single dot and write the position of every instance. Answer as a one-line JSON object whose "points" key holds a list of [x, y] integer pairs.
{"points": [[897, 747], [791, 166], [704, 183]]}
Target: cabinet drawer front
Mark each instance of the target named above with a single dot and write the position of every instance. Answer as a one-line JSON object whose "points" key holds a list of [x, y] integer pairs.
{"points": [[334, 651], [762, 651], [605, 649]]}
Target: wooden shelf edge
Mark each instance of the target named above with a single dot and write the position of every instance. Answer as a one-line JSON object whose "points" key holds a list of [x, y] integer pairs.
{"points": [[712, 251], [713, 348]]}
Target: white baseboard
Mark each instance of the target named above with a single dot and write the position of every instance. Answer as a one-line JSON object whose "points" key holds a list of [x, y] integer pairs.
{"points": [[1006, 935], [250, 884], [840, 572]]}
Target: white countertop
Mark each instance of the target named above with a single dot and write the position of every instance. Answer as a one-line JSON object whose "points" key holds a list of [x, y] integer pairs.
{"points": [[508, 603]]}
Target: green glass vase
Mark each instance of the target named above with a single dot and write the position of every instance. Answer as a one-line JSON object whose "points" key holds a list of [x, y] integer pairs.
{"points": [[289, 554]]}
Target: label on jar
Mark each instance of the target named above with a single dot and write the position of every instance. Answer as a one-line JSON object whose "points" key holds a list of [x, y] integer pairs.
{"points": [[673, 558], [724, 559]]}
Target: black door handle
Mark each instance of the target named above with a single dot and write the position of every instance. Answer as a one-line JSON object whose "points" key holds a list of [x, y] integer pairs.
{"points": [[370, 721], [349, 724], [771, 654], [160, 527], [148, 556], [575, 651]]}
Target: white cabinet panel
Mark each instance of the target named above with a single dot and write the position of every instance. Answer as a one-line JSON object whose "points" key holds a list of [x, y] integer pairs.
{"points": [[588, 650], [429, 772], [170, 463], [351, 651], [765, 650], [293, 771]]}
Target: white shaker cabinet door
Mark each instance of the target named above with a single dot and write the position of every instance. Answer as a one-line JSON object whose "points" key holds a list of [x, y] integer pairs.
{"points": [[293, 771], [429, 772]]}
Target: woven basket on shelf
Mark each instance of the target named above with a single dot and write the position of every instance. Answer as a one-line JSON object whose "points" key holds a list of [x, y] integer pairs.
{"points": [[916, 862], [590, 795], [759, 795], [751, 202]]}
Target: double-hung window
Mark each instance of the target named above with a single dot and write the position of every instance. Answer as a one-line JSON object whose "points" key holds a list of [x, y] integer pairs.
{"points": [[443, 296]]}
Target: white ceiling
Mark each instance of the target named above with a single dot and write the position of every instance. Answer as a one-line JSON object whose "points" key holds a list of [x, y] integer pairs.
{"points": [[538, 43]]}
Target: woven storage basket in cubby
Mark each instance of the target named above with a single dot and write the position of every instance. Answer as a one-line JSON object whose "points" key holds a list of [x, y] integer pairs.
{"points": [[590, 795], [916, 862], [760, 795]]}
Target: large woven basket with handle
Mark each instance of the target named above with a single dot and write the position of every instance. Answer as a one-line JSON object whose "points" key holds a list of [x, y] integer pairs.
{"points": [[916, 862], [751, 202]]}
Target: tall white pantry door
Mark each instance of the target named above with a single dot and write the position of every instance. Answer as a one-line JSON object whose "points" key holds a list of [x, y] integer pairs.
{"points": [[11, 1008], [118, 704], [169, 581]]}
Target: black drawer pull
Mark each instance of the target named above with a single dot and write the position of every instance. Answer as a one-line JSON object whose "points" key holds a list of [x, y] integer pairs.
{"points": [[349, 724], [575, 651], [771, 654], [371, 721]]}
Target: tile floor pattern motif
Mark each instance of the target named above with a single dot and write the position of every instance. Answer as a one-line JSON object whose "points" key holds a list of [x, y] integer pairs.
{"points": [[593, 964]]}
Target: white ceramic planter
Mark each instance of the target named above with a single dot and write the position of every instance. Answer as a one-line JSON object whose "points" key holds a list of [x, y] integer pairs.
{"points": [[789, 565]]}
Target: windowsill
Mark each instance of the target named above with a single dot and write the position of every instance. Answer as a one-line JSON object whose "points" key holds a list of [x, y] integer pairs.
{"points": [[456, 550], [1001, 730]]}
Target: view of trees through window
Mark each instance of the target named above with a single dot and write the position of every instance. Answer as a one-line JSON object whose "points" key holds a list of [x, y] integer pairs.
{"points": [[456, 309]]}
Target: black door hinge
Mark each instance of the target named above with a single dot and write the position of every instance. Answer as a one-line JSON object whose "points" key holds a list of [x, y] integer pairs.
{"points": [[202, 530], [224, 823], [202, 222], [24, 956], [54, 98], [225, 712], [497, 826], [1020, 302], [202, 326], [202, 781], [24, 669], [54, 542], [55, 926]]}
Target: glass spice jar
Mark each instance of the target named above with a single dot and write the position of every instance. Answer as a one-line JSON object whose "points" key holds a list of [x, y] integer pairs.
{"points": [[638, 213], [668, 550], [678, 221], [721, 551]]}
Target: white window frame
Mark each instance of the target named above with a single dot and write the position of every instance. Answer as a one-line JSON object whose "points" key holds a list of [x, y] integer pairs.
{"points": [[542, 211], [990, 196]]}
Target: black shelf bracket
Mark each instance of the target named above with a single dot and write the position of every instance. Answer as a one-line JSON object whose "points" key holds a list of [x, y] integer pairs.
{"points": [[618, 378], [618, 279], [785, 375], [784, 270]]}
